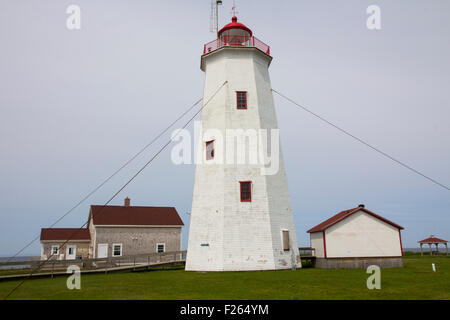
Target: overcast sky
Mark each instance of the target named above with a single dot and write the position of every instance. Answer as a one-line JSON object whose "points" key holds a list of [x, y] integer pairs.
{"points": [[76, 104]]}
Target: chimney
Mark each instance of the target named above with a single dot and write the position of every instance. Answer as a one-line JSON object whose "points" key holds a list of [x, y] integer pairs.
{"points": [[127, 202], [361, 206]]}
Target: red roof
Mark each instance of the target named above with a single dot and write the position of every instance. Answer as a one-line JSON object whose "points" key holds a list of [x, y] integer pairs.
{"points": [[235, 25], [433, 239], [135, 216], [345, 214], [65, 234]]}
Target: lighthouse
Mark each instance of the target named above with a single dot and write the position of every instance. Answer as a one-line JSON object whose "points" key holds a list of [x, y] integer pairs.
{"points": [[241, 217]]}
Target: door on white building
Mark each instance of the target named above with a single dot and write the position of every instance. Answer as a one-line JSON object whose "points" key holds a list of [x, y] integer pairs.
{"points": [[71, 252], [102, 251]]}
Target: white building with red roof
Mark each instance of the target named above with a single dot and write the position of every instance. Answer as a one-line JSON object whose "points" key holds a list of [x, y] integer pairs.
{"points": [[357, 238]]}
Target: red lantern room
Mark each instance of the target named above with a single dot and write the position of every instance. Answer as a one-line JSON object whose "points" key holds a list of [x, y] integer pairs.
{"points": [[235, 34]]}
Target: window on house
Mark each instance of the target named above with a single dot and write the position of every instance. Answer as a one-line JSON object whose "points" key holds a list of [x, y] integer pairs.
{"points": [[210, 150], [160, 247], [285, 235], [117, 250], [55, 249], [246, 191], [241, 99]]}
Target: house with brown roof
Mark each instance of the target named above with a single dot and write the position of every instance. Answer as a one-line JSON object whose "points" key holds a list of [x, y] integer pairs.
{"points": [[115, 231], [65, 243], [357, 238]]}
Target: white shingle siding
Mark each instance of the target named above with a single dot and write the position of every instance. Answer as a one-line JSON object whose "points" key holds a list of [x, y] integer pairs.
{"points": [[225, 233]]}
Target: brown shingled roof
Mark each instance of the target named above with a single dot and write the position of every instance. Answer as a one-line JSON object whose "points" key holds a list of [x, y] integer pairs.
{"points": [[72, 234], [433, 239], [344, 214], [135, 216]]}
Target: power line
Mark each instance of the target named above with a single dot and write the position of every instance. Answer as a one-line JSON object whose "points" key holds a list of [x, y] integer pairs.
{"points": [[363, 142], [118, 191], [111, 176]]}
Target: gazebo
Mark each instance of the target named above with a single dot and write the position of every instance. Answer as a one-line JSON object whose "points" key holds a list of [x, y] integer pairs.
{"points": [[433, 240]]}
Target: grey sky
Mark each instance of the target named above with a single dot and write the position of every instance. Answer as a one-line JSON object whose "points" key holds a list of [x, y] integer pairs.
{"points": [[75, 105]]}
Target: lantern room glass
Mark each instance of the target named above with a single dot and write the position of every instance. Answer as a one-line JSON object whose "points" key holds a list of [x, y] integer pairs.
{"points": [[235, 37]]}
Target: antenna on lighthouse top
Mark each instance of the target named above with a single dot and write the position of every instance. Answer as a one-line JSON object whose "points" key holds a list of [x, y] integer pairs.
{"points": [[214, 20], [233, 9]]}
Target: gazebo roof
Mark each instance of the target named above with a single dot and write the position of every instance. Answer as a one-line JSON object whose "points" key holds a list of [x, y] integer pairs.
{"points": [[235, 25], [433, 239]]}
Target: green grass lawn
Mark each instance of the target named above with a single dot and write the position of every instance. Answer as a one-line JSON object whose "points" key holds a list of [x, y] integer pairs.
{"points": [[415, 281]]}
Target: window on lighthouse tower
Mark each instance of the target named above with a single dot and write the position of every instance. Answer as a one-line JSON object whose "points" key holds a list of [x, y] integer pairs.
{"points": [[285, 236], [241, 99], [210, 150], [246, 191]]}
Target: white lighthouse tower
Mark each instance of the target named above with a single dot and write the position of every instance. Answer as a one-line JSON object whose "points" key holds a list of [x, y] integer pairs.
{"points": [[241, 216]]}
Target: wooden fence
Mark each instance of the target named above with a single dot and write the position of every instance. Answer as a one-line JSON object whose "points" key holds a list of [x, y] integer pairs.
{"points": [[127, 262]]}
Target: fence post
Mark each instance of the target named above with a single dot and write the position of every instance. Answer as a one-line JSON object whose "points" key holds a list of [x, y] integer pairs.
{"points": [[53, 268]]}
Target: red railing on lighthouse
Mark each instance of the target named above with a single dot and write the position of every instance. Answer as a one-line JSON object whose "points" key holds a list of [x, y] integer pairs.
{"points": [[236, 41]]}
